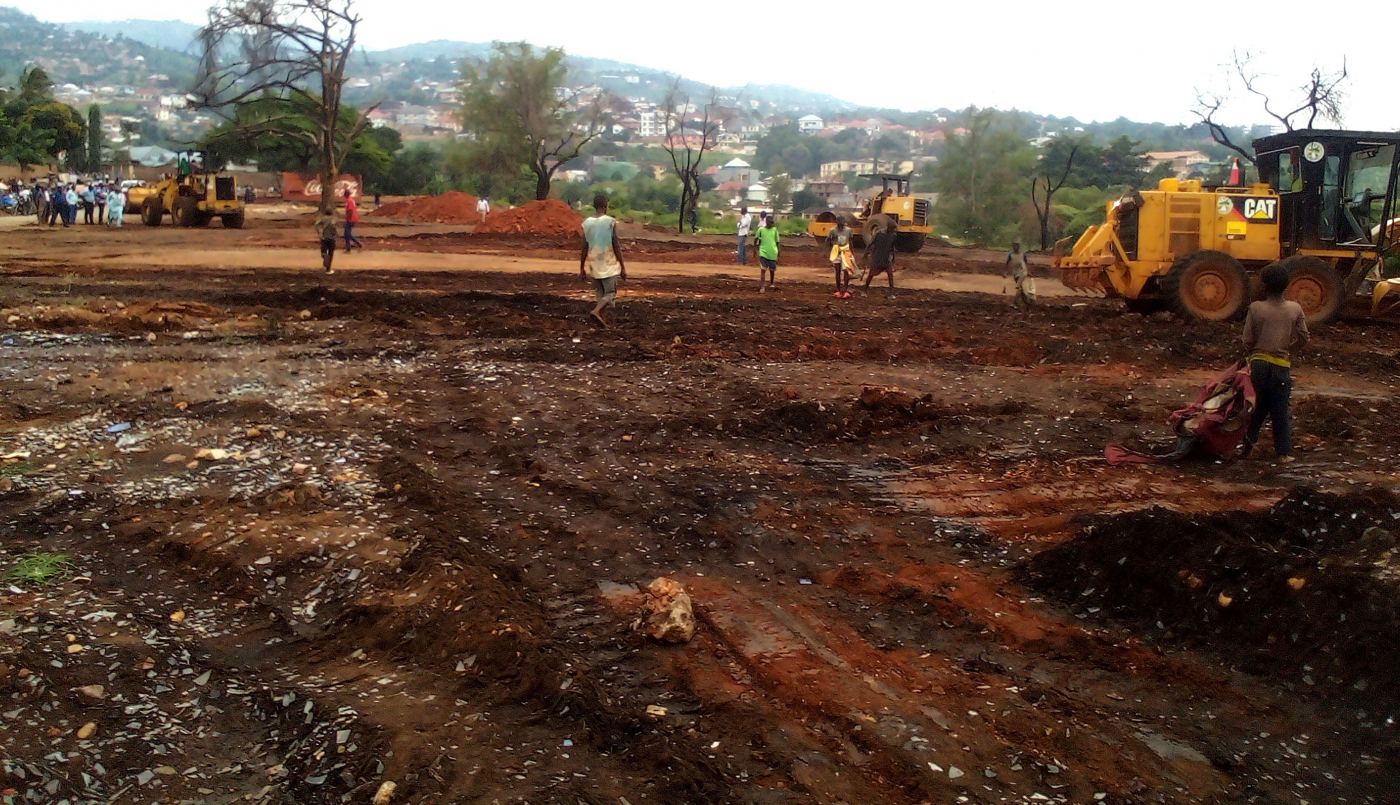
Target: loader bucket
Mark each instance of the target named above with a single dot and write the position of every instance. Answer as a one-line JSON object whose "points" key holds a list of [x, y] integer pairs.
{"points": [[1385, 288]]}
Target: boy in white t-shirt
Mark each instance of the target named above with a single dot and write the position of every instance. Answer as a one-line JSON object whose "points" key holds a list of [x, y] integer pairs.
{"points": [[601, 258]]}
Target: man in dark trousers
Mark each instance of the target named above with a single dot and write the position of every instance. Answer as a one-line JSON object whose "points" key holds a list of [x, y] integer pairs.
{"points": [[879, 257], [1272, 327]]}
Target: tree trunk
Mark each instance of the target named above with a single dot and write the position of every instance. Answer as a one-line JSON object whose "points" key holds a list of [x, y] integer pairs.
{"points": [[328, 172], [685, 207], [541, 182]]}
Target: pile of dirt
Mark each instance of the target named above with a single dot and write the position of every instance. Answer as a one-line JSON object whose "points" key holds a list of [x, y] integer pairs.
{"points": [[1312, 584], [548, 219], [449, 208]]}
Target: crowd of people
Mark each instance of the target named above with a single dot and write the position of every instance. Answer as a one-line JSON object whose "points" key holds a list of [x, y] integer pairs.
{"points": [[877, 259], [99, 201]]}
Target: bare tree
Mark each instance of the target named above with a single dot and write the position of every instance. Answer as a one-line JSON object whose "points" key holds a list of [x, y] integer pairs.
{"points": [[687, 136], [290, 57], [1044, 188], [1319, 97], [517, 104]]}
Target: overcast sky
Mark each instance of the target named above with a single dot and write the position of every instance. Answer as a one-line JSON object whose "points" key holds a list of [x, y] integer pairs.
{"points": [[1091, 60]]}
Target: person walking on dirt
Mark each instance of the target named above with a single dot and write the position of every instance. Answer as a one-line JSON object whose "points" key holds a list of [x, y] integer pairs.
{"points": [[483, 207], [116, 207], [745, 224], [352, 217], [694, 219], [71, 199], [767, 253], [58, 205], [879, 257], [325, 232], [89, 201], [601, 258], [100, 198], [41, 204], [843, 262], [1272, 327], [1019, 271]]}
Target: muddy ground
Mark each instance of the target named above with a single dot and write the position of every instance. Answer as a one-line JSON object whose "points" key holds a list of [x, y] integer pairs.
{"points": [[390, 525]]}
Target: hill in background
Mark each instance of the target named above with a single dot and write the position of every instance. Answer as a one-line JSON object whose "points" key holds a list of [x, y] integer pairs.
{"points": [[81, 57]]}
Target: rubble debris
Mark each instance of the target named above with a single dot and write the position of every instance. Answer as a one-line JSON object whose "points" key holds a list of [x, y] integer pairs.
{"points": [[666, 614]]}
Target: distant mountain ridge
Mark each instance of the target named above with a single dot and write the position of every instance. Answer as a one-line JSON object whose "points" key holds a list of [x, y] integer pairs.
{"points": [[169, 34], [82, 57], [179, 37]]}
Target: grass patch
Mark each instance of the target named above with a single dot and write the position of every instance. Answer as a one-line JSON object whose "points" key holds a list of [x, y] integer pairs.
{"points": [[16, 470], [40, 567]]}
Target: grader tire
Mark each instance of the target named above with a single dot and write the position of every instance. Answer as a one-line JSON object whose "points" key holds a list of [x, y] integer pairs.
{"points": [[1207, 286], [152, 212], [1316, 285], [874, 225], [909, 242], [233, 220]]}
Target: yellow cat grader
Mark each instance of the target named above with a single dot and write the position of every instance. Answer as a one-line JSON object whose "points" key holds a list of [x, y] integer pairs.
{"points": [[1324, 208]]}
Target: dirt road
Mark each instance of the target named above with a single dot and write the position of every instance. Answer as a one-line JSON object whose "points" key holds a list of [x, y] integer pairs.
{"points": [[391, 526]]}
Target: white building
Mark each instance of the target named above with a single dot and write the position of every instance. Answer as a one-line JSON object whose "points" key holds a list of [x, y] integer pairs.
{"points": [[809, 124]]}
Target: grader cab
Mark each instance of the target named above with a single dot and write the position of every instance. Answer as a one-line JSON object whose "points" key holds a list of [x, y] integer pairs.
{"points": [[1324, 208]]}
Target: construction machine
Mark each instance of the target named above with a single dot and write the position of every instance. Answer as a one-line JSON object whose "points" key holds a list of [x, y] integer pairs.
{"points": [[1322, 209], [193, 196], [894, 208]]}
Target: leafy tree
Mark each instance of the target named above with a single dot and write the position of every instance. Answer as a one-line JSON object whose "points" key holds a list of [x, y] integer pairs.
{"points": [[94, 139], [980, 178], [289, 52], [56, 128], [780, 193], [797, 159], [804, 200], [770, 148], [1121, 163], [34, 128], [282, 134], [849, 137], [1052, 171], [889, 144], [516, 105], [411, 170], [476, 167]]}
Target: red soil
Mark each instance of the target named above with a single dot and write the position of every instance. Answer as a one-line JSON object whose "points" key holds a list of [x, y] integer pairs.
{"points": [[449, 208], [548, 218]]}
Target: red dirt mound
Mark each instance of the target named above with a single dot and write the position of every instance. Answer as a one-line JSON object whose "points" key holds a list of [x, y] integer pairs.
{"points": [[448, 208], [548, 218]]}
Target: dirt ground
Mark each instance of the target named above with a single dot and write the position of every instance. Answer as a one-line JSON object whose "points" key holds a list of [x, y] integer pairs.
{"points": [[392, 525]]}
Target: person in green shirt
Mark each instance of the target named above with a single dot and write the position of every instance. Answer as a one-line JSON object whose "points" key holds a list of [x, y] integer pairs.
{"points": [[767, 240]]}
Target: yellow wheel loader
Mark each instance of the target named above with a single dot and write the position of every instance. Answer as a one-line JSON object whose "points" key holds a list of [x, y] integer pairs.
{"points": [[194, 196], [1322, 209], [893, 207]]}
